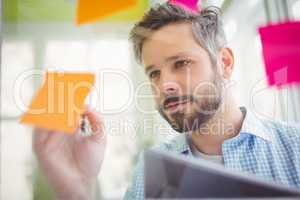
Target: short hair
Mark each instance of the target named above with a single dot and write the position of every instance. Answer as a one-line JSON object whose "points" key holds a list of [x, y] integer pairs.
{"points": [[206, 26]]}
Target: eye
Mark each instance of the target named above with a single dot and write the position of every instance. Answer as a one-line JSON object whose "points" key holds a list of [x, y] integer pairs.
{"points": [[182, 63], [154, 74]]}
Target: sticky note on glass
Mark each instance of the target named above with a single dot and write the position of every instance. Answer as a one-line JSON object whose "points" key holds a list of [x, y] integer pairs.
{"points": [[189, 4], [59, 103], [281, 52], [92, 10]]}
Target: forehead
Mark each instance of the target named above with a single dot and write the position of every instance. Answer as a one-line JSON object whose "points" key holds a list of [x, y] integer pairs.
{"points": [[168, 41]]}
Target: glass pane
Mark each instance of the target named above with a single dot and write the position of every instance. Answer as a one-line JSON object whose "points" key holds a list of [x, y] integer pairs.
{"points": [[16, 161]]}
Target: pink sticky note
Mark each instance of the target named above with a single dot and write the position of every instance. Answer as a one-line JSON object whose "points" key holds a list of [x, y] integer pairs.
{"points": [[189, 4], [281, 52]]}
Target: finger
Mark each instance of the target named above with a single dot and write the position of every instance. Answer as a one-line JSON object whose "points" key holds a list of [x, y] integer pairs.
{"points": [[56, 138], [47, 140], [96, 124], [94, 120], [40, 136]]}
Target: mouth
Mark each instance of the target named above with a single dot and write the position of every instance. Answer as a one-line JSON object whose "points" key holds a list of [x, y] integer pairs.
{"points": [[175, 105]]}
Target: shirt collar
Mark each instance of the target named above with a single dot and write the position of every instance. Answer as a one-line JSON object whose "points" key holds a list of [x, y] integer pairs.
{"points": [[254, 126], [179, 144]]}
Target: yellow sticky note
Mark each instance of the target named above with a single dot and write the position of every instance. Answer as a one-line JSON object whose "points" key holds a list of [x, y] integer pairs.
{"points": [[60, 101], [92, 10]]}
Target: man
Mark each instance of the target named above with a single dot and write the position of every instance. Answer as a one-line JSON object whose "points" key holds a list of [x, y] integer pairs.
{"points": [[187, 61]]}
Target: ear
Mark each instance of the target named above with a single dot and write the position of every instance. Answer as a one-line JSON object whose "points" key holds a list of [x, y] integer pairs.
{"points": [[227, 62]]}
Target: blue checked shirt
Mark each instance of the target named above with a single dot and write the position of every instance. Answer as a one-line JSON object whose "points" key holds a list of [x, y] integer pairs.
{"points": [[268, 149]]}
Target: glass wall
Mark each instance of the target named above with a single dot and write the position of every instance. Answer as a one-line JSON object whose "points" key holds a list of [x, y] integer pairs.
{"points": [[35, 39]]}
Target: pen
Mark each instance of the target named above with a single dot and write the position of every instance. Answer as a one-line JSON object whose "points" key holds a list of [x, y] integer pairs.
{"points": [[84, 126]]}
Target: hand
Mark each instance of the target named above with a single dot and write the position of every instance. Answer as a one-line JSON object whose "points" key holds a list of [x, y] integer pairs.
{"points": [[71, 163]]}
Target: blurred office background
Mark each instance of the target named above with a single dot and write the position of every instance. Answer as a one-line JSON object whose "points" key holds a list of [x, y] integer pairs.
{"points": [[41, 34]]}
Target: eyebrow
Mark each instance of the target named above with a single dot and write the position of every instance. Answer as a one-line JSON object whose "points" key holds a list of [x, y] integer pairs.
{"points": [[148, 68], [171, 58], [178, 55]]}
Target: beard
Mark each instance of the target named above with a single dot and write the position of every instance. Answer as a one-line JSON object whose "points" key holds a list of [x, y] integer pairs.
{"points": [[201, 109]]}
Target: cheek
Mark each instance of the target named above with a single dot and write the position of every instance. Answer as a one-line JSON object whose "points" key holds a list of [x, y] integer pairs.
{"points": [[156, 93], [200, 78], [190, 80]]}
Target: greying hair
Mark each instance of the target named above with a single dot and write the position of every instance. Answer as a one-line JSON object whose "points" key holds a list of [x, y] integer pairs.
{"points": [[206, 26]]}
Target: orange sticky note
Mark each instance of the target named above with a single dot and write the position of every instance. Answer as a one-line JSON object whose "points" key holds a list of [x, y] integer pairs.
{"points": [[92, 10], [60, 101]]}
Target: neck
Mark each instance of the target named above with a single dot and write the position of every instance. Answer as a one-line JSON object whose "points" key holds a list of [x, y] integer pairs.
{"points": [[225, 124]]}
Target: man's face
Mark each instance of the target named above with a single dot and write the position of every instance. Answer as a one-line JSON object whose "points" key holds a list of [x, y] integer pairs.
{"points": [[185, 84]]}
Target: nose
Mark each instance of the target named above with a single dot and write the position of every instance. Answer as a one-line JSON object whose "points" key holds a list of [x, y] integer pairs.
{"points": [[170, 88], [169, 82]]}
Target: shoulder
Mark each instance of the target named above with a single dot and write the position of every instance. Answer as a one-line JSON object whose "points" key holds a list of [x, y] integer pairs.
{"points": [[284, 133], [283, 129]]}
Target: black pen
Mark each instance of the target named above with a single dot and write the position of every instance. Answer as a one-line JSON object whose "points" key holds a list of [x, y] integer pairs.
{"points": [[84, 126]]}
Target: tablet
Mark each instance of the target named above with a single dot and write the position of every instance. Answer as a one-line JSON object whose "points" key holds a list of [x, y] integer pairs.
{"points": [[170, 175]]}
